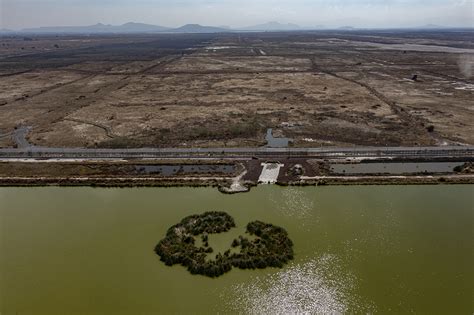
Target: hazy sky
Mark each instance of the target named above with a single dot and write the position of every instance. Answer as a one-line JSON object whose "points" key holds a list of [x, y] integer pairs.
{"points": [[16, 14]]}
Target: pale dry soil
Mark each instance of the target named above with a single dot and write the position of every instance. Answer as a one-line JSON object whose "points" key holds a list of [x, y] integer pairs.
{"points": [[317, 91]]}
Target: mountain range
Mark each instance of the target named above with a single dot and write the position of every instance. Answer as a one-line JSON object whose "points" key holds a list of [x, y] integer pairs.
{"points": [[131, 27], [99, 28], [196, 28], [272, 26], [148, 28]]}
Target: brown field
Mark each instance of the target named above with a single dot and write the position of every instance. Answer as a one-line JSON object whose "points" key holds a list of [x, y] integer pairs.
{"points": [[216, 90]]}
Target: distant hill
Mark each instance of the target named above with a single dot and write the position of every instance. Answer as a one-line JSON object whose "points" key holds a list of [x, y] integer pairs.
{"points": [[432, 27], [347, 28], [140, 27], [127, 28], [196, 28], [99, 28], [135, 28], [272, 26]]}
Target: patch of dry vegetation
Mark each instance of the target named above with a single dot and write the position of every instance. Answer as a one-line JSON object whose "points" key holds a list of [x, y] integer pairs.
{"points": [[319, 89]]}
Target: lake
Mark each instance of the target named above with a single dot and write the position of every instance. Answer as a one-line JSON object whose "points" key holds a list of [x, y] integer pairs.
{"points": [[358, 249]]}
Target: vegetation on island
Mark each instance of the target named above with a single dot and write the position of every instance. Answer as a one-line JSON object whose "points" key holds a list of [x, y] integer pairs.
{"points": [[270, 247]]}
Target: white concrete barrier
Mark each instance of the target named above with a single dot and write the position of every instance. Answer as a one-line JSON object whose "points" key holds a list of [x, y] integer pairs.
{"points": [[270, 173]]}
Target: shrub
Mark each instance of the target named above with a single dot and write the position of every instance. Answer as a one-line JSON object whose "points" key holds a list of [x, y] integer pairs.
{"points": [[271, 248]]}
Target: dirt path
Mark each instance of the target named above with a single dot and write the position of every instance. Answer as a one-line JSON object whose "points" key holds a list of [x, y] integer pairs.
{"points": [[19, 137], [106, 129], [161, 65], [415, 123]]}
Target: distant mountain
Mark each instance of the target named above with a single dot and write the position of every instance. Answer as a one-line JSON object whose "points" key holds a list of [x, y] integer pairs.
{"points": [[127, 28], [99, 28], [135, 28], [196, 28], [272, 26], [347, 28], [432, 27], [140, 27]]}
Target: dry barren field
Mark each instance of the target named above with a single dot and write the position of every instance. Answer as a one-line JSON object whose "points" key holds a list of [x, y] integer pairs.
{"points": [[226, 90]]}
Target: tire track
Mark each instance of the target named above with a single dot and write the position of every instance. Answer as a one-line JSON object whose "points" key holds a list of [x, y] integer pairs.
{"points": [[415, 123], [54, 87], [4, 75], [446, 76], [106, 129], [160, 65]]}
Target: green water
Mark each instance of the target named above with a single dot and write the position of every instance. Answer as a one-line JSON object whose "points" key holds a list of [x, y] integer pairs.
{"points": [[379, 249]]}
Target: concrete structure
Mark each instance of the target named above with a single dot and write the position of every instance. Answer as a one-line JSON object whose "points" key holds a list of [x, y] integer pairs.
{"points": [[270, 173]]}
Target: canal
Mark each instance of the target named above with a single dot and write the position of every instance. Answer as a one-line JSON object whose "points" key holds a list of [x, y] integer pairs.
{"points": [[358, 249]]}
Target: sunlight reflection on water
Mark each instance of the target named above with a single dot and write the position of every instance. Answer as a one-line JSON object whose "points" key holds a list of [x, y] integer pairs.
{"points": [[296, 203], [315, 287]]}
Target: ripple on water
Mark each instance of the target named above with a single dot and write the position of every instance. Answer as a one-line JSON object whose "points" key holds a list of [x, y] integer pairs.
{"points": [[316, 287], [293, 202]]}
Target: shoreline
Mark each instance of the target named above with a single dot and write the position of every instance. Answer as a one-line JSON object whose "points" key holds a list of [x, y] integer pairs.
{"points": [[223, 184], [228, 176]]}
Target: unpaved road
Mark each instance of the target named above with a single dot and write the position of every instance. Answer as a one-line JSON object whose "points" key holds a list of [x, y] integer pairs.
{"points": [[238, 153]]}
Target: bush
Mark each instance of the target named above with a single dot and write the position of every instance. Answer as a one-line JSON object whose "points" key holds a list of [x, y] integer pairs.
{"points": [[271, 248], [459, 168]]}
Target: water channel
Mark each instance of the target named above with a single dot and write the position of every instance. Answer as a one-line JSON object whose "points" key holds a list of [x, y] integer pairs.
{"points": [[358, 249], [395, 168]]}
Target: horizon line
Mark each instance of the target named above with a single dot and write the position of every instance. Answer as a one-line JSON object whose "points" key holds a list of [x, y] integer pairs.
{"points": [[237, 28]]}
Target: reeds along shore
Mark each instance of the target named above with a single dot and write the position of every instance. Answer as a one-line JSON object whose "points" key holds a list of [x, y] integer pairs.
{"points": [[271, 248]]}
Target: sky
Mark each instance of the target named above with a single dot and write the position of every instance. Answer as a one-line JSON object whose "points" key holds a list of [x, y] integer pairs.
{"points": [[18, 14]]}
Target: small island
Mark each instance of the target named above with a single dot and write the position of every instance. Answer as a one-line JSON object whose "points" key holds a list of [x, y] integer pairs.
{"points": [[269, 246]]}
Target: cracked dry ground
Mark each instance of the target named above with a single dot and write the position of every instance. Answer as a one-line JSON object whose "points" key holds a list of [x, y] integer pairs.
{"points": [[226, 90]]}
